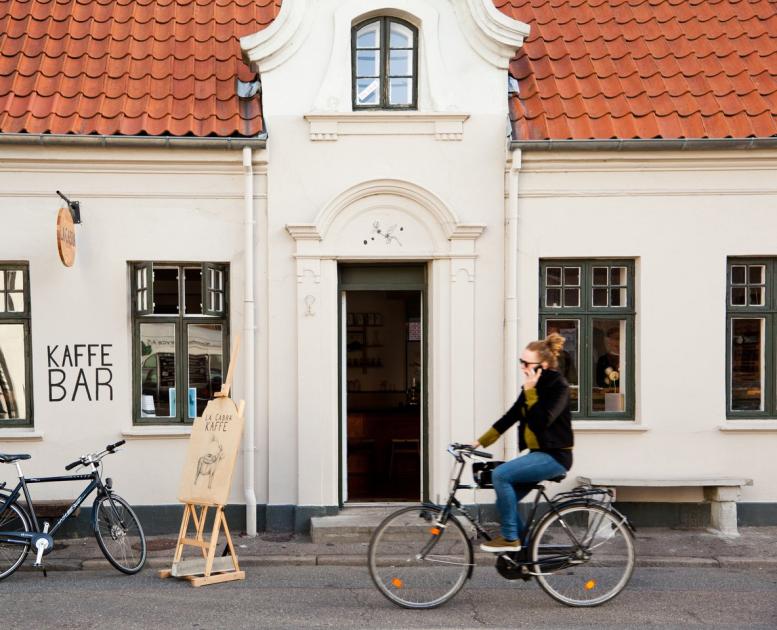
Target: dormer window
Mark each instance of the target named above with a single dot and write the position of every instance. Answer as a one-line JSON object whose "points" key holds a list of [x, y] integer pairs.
{"points": [[384, 54]]}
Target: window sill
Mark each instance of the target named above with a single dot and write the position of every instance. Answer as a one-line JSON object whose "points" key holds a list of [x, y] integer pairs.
{"points": [[608, 426], [330, 126], [20, 435], [157, 432], [748, 425]]}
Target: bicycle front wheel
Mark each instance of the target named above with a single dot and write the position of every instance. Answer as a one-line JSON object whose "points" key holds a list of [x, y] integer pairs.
{"points": [[583, 554], [417, 563], [12, 553], [119, 534]]}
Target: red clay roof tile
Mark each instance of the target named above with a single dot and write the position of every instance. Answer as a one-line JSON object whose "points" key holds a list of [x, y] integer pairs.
{"points": [[645, 69], [128, 66]]}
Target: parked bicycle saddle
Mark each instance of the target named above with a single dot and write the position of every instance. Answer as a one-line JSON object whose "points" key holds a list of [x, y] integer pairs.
{"points": [[7, 458]]}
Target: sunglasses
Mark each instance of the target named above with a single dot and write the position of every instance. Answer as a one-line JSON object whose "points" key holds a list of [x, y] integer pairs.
{"points": [[528, 363]]}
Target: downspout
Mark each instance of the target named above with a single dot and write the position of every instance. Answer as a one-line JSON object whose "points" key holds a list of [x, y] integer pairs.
{"points": [[511, 299], [249, 318]]}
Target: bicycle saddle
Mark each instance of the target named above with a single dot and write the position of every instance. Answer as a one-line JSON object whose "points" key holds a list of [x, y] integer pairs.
{"points": [[7, 458], [559, 478]]}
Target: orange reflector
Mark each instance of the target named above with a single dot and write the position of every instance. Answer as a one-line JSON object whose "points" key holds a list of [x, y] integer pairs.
{"points": [[590, 585], [397, 583], [435, 531]]}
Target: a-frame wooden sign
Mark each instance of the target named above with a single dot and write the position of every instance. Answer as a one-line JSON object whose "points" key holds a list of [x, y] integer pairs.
{"points": [[205, 485]]}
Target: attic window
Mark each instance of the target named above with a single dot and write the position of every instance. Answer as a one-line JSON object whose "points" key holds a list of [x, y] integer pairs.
{"points": [[384, 63]]}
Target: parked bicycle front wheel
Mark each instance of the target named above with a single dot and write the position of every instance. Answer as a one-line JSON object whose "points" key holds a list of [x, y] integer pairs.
{"points": [[591, 572], [119, 534], [415, 562], [12, 554]]}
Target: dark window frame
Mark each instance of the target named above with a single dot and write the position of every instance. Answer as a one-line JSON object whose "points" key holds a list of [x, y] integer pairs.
{"points": [[768, 312], [383, 78], [25, 319], [585, 312], [181, 321]]}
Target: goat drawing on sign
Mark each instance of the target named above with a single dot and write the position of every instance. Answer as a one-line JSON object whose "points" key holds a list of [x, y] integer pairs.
{"points": [[208, 463]]}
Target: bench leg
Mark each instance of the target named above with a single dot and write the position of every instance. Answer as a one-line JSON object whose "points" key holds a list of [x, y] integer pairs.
{"points": [[723, 508]]}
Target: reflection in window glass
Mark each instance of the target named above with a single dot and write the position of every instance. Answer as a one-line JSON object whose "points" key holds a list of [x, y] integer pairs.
{"points": [[400, 91], [157, 370], [401, 36], [747, 364], [367, 63], [369, 36], [401, 63], [12, 372], [570, 356], [205, 366], [609, 365], [165, 290]]}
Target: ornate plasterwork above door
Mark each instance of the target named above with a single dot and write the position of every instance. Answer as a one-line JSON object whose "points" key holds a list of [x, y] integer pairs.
{"points": [[386, 218]]}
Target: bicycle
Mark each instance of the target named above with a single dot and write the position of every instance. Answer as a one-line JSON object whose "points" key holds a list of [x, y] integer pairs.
{"points": [[581, 550], [116, 527]]}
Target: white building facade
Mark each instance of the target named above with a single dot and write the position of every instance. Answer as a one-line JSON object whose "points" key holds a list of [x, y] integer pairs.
{"points": [[383, 262]]}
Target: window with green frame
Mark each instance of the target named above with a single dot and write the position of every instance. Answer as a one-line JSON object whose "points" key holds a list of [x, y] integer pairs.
{"points": [[180, 323], [15, 355], [591, 304], [751, 355]]}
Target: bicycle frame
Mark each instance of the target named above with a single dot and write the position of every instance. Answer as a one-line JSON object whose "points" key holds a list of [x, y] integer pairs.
{"points": [[21, 488]]}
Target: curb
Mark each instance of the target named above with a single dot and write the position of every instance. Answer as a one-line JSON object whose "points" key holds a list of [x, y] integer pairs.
{"points": [[360, 560]]}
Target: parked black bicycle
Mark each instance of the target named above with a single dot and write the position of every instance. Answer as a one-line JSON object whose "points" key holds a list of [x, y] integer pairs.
{"points": [[581, 550], [116, 527]]}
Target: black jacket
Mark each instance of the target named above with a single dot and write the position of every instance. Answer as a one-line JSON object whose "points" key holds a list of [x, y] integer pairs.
{"points": [[549, 418]]}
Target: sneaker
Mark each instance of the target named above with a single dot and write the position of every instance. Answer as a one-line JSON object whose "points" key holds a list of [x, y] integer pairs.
{"points": [[499, 545]]}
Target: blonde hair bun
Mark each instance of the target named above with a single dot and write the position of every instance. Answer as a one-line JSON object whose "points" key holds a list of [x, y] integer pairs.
{"points": [[549, 348], [555, 343]]}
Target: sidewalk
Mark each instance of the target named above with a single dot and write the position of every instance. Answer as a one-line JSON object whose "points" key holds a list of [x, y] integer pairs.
{"points": [[656, 547]]}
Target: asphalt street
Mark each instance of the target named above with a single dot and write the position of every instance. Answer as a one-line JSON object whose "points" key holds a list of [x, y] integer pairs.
{"points": [[344, 597]]}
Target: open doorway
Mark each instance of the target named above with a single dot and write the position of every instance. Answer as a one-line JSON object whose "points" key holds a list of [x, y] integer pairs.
{"points": [[383, 368]]}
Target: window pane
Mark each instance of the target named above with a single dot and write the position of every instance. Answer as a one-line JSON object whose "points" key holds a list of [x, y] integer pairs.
{"points": [[747, 364], [738, 296], [192, 286], [400, 91], [572, 276], [756, 296], [618, 276], [571, 297], [401, 36], [553, 297], [2, 280], [140, 280], [600, 297], [15, 302], [367, 91], [600, 276], [368, 36], [14, 281], [738, 274], [617, 297], [13, 404], [205, 365], [367, 63], [400, 63], [553, 276], [165, 291], [609, 368], [756, 274], [2, 300], [157, 370], [569, 358]]}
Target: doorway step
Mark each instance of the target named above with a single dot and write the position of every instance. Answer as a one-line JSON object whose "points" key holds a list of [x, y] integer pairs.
{"points": [[351, 525]]}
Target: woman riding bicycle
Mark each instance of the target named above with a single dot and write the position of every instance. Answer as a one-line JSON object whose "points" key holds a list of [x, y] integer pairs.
{"points": [[545, 429]]}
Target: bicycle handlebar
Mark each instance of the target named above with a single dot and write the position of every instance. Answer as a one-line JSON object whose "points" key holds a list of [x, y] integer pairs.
{"points": [[469, 450], [94, 457]]}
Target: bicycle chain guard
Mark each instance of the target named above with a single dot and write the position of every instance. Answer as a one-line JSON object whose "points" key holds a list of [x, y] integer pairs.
{"points": [[509, 570]]}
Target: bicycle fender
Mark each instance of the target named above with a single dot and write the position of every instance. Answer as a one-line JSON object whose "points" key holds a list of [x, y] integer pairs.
{"points": [[621, 515]]}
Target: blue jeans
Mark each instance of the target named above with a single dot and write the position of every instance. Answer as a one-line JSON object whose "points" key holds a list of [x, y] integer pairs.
{"points": [[508, 480]]}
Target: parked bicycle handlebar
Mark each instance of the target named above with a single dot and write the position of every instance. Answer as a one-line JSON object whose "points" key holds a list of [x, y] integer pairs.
{"points": [[94, 457]]}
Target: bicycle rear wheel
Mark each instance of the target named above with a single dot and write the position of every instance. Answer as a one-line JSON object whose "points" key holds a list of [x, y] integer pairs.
{"points": [[119, 534], [13, 554], [591, 572], [415, 562]]}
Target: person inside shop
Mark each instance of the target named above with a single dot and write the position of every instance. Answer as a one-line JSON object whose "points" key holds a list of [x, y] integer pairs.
{"points": [[610, 361], [544, 430]]}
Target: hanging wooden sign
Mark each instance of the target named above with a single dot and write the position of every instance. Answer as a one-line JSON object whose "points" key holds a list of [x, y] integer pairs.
{"points": [[66, 237]]}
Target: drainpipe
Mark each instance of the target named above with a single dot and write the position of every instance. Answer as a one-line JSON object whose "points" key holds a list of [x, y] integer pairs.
{"points": [[249, 318], [511, 299]]}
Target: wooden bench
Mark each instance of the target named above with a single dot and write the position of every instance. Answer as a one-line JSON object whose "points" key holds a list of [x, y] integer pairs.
{"points": [[721, 492]]}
